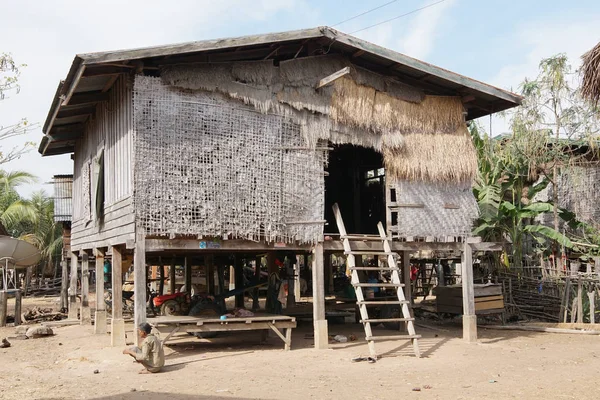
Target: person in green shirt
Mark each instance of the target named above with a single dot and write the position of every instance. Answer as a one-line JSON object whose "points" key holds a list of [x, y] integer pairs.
{"points": [[151, 354]]}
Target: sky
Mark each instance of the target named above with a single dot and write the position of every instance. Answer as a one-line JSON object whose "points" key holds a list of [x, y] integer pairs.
{"points": [[499, 42]]}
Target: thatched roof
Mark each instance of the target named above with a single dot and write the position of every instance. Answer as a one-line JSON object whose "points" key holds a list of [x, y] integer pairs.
{"points": [[422, 137], [590, 87]]}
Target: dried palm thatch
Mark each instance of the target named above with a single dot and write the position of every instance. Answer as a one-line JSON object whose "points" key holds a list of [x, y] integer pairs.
{"points": [[433, 158], [590, 87], [422, 137], [364, 107]]}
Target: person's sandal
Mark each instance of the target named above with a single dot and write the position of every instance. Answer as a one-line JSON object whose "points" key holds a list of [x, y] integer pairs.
{"points": [[360, 358]]}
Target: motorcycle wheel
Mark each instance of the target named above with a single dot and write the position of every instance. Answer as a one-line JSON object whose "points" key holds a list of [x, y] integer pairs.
{"points": [[170, 307], [205, 310]]}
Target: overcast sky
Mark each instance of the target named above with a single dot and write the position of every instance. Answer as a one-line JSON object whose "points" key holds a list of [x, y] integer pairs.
{"points": [[496, 41]]}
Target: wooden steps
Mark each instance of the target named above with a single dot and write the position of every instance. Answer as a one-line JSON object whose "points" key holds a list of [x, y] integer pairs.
{"points": [[395, 283]]}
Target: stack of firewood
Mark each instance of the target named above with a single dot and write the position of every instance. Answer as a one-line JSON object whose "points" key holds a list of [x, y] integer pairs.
{"points": [[37, 314]]}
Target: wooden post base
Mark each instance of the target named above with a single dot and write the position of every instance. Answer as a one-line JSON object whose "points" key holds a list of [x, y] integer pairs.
{"points": [[100, 322], [470, 328], [117, 332], [321, 335], [73, 314]]}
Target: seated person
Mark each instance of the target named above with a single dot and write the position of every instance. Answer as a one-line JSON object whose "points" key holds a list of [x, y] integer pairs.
{"points": [[151, 355]]}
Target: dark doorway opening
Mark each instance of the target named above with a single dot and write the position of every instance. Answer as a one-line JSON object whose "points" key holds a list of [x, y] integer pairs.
{"points": [[356, 182]]}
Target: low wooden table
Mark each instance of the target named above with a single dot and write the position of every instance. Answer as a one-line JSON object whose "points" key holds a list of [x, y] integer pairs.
{"points": [[174, 324]]}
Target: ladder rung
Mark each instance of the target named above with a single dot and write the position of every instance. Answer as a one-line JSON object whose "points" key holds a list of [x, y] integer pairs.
{"points": [[374, 238], [378, 284], [383, 302], [370, 253], [387, 320], [374, 269], [394, 337]]}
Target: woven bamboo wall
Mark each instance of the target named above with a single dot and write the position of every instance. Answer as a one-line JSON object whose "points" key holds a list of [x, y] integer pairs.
{"points": [[206, 165]]}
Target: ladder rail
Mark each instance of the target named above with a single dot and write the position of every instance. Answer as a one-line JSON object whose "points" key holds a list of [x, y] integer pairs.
{"points": [[352, 271]]}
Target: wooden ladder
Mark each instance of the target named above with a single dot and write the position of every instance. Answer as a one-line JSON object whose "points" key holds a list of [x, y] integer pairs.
{"points": [[391, 267]]}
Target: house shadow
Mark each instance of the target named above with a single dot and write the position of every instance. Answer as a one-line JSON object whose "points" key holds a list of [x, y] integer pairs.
{"points": [[147, 395]]}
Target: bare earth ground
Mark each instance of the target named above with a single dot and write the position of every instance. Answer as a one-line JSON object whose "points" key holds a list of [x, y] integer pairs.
{"points": [[503, 365]]}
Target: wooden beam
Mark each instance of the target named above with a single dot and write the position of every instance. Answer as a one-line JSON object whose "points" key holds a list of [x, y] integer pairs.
{"points": [[188, 275], [139, 279], [331, 78], [172, 277], [66, 132], [468, 293], [73, 287], [100, 314], [18, 307], [358, 53], [117, 328], [468, 99], [3, 307], [109, 84], [239, 280], [88, 98], [64, 284], [86, 318], [161, 273], [106, 70], [67, 112]]}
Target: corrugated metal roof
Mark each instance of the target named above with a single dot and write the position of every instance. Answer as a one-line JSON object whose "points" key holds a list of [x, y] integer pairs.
{"points": [[91, 74]]}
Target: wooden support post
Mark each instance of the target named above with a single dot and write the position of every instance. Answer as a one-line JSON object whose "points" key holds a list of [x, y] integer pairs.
{"points": [[3, 307], [255, 300], [139, 280], [172, 277], [468, 292], [271, 266], [318, 286], [209, 262], [297, 293], [64, 285], [239, 280], [187, 270], [73, 287], [161, 273], [592, 301], [117, 329], [100, 315], [85, 313], [406, 276], [221, 277], [327, 261], [579, 302], [232, 278], [18, 306]]}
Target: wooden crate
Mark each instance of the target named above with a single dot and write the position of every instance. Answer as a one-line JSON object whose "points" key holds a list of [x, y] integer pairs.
{"points": [[488, 299]]}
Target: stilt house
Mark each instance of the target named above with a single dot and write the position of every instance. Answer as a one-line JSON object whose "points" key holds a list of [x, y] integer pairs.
{"points": [[244, 144]]}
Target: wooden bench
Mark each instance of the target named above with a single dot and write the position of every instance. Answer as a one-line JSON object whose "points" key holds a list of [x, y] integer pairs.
{"points": [[175, 324]]}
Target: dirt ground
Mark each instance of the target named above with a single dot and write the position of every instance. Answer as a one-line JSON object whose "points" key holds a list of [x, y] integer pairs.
{"points": [[502, 365]]}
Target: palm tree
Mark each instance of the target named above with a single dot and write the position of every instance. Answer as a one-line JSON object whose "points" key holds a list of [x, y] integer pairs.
{"points": [[44, 232], [14, 211]]}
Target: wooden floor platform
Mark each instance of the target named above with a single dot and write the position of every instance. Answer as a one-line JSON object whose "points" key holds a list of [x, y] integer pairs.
{"points": [[183, 324]]}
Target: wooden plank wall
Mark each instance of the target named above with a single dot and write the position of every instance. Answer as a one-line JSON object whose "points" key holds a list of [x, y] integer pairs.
{"points": [[111, 129]]}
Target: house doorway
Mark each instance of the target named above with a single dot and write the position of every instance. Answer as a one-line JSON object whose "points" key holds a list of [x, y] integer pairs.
{"points": [[356, 182]]}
